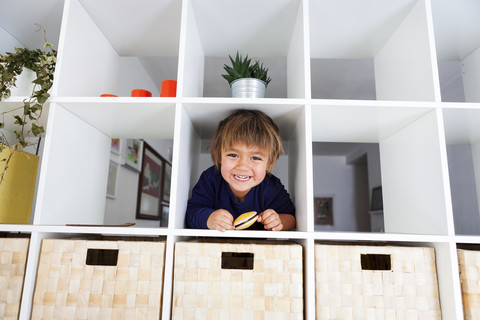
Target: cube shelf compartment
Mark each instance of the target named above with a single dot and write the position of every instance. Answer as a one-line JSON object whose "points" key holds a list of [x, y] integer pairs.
{"points": [[405, 80]]}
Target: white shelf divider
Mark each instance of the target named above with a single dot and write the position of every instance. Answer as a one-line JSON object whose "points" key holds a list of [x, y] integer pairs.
{"points": [[298, 58], [73, 173], [300, 168], [191, 55], [404, 65], [444, 173], [168, 277], [448, 280], [87, 64], [412, 179], [309, 278], [186, 149]]}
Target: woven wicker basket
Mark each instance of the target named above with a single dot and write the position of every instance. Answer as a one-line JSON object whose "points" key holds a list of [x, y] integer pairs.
{"points": [[469, 265], [13, 258], [215, 280], [80, 279], [375, 282]]}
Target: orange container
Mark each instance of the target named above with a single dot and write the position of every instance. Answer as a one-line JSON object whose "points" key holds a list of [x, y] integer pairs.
{"points": [[108, 95], [168, 88], [141, 93]]}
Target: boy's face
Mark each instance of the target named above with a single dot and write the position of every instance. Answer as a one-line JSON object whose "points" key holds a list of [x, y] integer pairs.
{"points": [[243, 167]]}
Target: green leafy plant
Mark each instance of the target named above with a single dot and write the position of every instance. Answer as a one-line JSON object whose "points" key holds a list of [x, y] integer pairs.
{"points": [[242, 68], [42, 62]]}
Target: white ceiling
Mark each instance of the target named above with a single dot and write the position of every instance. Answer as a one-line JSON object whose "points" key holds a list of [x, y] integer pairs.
{"points": [[267, 22], [348, 29], [18, 19], [149, 28], [457, 28], [333, 148]]}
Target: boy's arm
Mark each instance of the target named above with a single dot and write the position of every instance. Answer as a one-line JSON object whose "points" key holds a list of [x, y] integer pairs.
{"points": [[281, 205], [289, 222], [197, 217]]}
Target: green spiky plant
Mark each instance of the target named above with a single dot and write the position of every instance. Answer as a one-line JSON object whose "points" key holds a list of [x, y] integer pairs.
{"points": [[242, 68], [42, 62]]}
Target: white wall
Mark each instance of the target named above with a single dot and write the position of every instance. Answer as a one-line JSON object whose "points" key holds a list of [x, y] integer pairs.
{"points": [[8, 43], [343, 79], [372, 152], [334, 177], [123, 208], [132, 75], [451, 81]]}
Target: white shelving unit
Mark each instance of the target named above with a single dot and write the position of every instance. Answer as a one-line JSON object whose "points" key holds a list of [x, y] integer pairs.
{"points": [[113, 47]]}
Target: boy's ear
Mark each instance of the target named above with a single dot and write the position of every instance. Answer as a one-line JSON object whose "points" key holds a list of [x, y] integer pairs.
{"points": [[270, 168]]}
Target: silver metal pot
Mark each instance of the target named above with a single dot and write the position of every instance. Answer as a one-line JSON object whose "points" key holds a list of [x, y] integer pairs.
{"points": [[248, 88]]}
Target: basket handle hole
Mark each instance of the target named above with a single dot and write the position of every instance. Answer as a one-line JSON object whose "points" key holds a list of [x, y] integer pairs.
{"points": [[376, 262], [102, 257], [237, 260]]}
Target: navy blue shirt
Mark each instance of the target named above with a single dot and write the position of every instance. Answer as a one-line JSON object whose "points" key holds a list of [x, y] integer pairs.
{"points": [[212, 192]]}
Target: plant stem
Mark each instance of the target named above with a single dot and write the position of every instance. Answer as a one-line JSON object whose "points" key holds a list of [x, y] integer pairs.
{"points": [[5, 112], [7, 162]]}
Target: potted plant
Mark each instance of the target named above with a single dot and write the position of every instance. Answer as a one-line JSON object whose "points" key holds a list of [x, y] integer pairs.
{"points": [[246, 80], [13, 160]]}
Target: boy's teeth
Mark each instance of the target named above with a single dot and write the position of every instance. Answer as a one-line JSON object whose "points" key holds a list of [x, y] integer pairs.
{"points": [[241, 177]]}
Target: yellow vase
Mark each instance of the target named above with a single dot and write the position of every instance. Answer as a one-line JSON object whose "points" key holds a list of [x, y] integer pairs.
{"points": [[18, 187]]}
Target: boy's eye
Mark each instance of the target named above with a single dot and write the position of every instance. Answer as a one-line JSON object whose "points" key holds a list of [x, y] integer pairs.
{"points": [[232, 155], [256, 158]]}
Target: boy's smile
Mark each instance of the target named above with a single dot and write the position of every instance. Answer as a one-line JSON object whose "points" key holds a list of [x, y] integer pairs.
{"points": [[243, 167], [242, 178]]}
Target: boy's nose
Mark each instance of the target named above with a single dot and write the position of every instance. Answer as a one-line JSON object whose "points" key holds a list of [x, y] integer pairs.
{"points": [[242, 163]]}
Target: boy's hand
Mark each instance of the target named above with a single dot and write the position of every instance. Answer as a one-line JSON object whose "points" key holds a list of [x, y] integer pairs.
{"points": [[271, 220], [220, 220]]}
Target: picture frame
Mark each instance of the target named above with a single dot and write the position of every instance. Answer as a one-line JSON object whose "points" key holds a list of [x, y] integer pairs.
{"points": [[165, 214], [377, 199], [133, 154], [113, 173], [150, 185], [167, 179], [117, 150], [116, 146], [323, 209]]}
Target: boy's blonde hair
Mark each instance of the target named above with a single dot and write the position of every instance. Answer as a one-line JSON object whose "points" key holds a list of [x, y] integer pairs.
{"points": [[251, 127]]}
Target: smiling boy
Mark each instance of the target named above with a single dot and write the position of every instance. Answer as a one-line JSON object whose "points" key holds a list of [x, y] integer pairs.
{"points": [[244, 150]]}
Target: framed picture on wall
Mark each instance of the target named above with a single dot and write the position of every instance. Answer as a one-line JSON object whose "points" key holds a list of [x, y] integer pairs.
{"points": [[150, 185], [377, 199], [167, 177], [165, 214], [323, 210], [133, 154], [112, 180], [117, 150], [116, 146]]}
